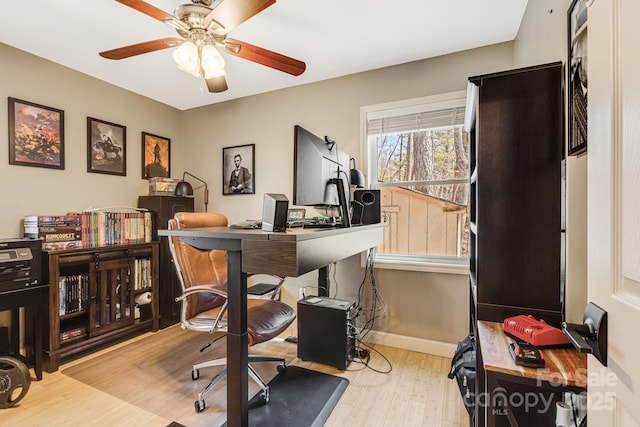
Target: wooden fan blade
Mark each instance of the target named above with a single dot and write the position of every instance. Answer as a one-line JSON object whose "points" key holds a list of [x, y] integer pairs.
{"points": [[155, 13], [265, 57], [232, 13], [140, 48], [217, 84], [147, 9]]}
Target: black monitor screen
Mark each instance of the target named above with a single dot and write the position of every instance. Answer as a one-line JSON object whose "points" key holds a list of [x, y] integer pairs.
{"points": [[316, 163]]}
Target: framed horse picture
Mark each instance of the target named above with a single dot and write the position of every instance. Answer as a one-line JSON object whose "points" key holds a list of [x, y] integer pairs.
{"points": [[106, 147]]}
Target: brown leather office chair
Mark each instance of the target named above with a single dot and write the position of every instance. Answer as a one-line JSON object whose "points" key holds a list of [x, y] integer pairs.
{"points": [[203, 276]]}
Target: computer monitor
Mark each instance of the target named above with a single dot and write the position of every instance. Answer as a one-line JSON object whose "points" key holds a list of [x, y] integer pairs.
{"points": [[321, 173]]}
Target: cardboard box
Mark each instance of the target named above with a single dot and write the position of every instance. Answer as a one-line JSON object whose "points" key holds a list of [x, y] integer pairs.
{"points": [[162, 186]]}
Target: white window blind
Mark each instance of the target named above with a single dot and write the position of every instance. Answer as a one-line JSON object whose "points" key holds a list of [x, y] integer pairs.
{"points": [[416, 121]]}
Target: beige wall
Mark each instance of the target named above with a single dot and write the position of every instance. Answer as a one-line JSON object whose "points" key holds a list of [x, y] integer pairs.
{"points": [[332, 107], [543, 38], [36, 191], [426, 306]]}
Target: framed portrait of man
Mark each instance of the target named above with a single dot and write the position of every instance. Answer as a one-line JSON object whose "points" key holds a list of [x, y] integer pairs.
{"points": [[238, 169]]}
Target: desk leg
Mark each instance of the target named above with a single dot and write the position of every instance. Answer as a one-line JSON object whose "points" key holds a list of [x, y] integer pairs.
{"points": [[323, 282], [237, 343], [37, 318]]}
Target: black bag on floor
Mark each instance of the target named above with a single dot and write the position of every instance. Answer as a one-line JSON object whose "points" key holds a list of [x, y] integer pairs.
{"points": [[463, 369]]}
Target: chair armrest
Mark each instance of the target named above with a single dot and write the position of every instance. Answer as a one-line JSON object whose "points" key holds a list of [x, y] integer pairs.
{"points": [[279, 281], [212, 289]]}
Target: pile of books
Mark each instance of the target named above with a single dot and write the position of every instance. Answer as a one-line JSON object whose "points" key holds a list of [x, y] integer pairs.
{"points": [[102, 228], [74, 293], [55, 231], [88, 229]]}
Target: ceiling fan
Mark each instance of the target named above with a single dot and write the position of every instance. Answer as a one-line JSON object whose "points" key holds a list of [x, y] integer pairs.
{"points": [[203, 25]]}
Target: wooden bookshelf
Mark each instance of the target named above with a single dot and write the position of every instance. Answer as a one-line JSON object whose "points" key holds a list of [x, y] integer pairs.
{"points": [[92, 294]]}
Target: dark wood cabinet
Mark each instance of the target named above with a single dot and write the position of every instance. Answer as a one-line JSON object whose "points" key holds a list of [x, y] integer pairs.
{"points": [[164, 208], [516, 124], [93, 296]]}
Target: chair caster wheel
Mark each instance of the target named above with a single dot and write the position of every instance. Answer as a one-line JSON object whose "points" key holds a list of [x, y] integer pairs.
{"points": [[199, 405], [281, 368], [195, 374]]}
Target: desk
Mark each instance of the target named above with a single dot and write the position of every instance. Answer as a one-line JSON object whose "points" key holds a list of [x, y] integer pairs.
{"points": [[296, 252], [565, 370], [32, 296]]}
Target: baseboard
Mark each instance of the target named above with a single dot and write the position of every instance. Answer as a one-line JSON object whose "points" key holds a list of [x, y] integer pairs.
{"points": [[421, 345]]}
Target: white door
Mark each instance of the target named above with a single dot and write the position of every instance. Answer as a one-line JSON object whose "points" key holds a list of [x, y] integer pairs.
{"points": [[614, 206]]}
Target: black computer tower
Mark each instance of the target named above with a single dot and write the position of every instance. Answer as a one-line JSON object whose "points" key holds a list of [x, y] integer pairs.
{"points": [[326, 331]]}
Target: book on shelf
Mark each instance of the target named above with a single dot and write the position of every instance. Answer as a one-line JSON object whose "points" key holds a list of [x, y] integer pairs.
{"points": [[66, 219], [72, 333], [65, 234], [57, 246], [52, 229]]}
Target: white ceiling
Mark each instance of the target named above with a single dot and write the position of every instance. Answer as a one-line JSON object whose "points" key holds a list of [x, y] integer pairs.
{"points": [[333, 37]]}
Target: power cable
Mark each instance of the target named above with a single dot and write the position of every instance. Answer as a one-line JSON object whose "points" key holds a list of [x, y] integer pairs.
{"points": [[376, 309]]}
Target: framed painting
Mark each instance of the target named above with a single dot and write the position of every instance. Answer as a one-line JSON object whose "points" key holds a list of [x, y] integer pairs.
{"points": [[577, 81], [238, 169], [106, 147], [36, 135], [156, 156]]}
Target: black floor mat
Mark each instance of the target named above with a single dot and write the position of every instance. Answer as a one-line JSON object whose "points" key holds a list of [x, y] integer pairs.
{"points": [[299, 397]]}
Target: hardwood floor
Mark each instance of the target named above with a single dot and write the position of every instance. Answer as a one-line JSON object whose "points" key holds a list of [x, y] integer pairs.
{"points": [[416, 392]]}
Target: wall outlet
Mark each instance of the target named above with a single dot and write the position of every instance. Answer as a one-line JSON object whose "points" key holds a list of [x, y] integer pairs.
{"points": [[301, 293]]}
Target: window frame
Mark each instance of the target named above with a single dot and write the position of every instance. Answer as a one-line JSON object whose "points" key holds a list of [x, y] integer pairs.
{"points": [[423, 263]]}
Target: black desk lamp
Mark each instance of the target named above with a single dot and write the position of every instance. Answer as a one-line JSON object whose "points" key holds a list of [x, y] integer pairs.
{"points": [[356, 177], [185, 189]]}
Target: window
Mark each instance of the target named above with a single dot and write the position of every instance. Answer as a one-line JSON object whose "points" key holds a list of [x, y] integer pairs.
{"points": [[418, 156]]}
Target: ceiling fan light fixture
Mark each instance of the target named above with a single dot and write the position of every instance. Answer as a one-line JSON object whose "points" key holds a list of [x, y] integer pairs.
{"points": [[211, 61], [186, 56], [202, 26]]}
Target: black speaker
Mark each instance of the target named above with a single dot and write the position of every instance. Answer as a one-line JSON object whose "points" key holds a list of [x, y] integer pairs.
{"points": [[274, 212], [366, 207]]}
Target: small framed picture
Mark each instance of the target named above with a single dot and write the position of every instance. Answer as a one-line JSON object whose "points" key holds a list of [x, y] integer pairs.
{"points": [[577, 91], [238, 169], [296, 214], [36, 135], [156, 156], [106, 147]]}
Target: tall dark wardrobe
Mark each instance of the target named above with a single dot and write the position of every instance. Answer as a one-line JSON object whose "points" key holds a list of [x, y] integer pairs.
{"points": [[517, 206], [517, 253]]}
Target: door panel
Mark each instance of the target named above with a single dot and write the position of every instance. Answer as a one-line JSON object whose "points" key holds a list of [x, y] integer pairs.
{"points": [[614, 206]]}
